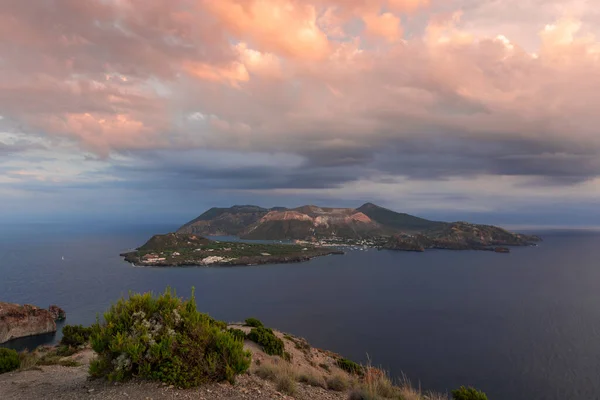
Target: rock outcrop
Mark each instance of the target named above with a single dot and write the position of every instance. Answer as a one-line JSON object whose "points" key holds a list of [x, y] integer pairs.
{"points": [[19, 321], [58, 313]]}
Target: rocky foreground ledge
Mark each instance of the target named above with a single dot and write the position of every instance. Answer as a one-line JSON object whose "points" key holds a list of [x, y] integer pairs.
{"points": [[310, 374], [18, 321]]}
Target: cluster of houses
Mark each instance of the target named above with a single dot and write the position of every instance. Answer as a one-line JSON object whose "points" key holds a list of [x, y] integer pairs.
{"points": [[153, 258]]}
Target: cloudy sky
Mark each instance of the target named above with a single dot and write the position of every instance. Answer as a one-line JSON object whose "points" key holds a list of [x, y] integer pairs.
{"points": [[452, 109]]}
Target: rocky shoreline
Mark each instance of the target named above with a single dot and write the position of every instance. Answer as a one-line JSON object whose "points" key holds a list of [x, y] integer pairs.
{"points": [[134, 259], [17, 321]]}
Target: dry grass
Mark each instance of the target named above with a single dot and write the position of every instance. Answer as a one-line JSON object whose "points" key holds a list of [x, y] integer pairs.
{"points": [[286, 384], [408, 392], [312, 379], [373, 384], [281, 373], [377, 385], [28, 360], [267, 370], [47, 356], [338, 382]]}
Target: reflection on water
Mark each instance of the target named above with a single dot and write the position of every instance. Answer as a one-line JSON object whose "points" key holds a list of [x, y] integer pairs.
{"points": [[31, 342]]}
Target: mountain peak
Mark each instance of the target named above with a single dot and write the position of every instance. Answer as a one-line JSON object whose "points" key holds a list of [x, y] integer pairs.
{"points": [[369, 205]]}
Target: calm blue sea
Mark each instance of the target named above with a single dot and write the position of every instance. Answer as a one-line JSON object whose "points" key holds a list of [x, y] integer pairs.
{"points": [[520, 326]]}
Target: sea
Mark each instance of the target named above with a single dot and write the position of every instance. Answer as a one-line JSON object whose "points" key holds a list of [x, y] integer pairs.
{"points": [[519, 326]]}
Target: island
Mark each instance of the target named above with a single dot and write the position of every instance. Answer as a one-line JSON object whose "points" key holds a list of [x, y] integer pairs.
{"points": [[368, 225], [182, 249], [312, 231]]}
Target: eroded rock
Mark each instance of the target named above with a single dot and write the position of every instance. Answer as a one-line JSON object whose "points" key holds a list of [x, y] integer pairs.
{"points": [[24, 320]]}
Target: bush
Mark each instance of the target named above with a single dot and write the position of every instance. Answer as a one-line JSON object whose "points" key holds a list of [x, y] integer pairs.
{"points": [[349, 366], [464, 393], [75, 335], [255, 323], [9, 360], [265, 337], [64, 351], [166, 339], [238, 334]]}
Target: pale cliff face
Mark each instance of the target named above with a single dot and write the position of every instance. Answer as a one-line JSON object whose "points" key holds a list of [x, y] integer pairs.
{"points": [[322, 218], [285, 216], [19, 321]]}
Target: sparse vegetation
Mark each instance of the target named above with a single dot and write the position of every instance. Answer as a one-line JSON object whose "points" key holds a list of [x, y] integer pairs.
{"points": [[165, 338], [75, 335], [376, 383], [9, 360], [312, 379], [325, 367], [27, 360], [254, 323], [265, 337], [362, 394], [281, 374], [337, 382], [55, 359], [286, 384], [350, 366], [468, 393]]}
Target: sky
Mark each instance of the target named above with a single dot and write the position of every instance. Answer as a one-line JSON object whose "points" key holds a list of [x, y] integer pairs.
{"points": [[136, 110]]}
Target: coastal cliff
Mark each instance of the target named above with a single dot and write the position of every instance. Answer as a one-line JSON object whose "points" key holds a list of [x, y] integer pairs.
{"points": [[26, 320]]}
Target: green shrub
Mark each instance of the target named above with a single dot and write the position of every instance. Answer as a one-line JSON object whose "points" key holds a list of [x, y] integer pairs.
{"points": [[287, 356], [265, 337], [166, 339], [9, 360], [219, 324], [464, 393], [349, 366], [64, 351], [75, 335], [238, 334], [255, 323]]}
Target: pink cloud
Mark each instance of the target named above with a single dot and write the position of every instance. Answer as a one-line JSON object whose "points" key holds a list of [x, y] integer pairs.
{"points": [[292, 75]]}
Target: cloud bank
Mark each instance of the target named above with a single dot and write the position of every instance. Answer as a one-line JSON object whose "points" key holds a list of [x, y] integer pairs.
{"points": [[494, 102]]}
